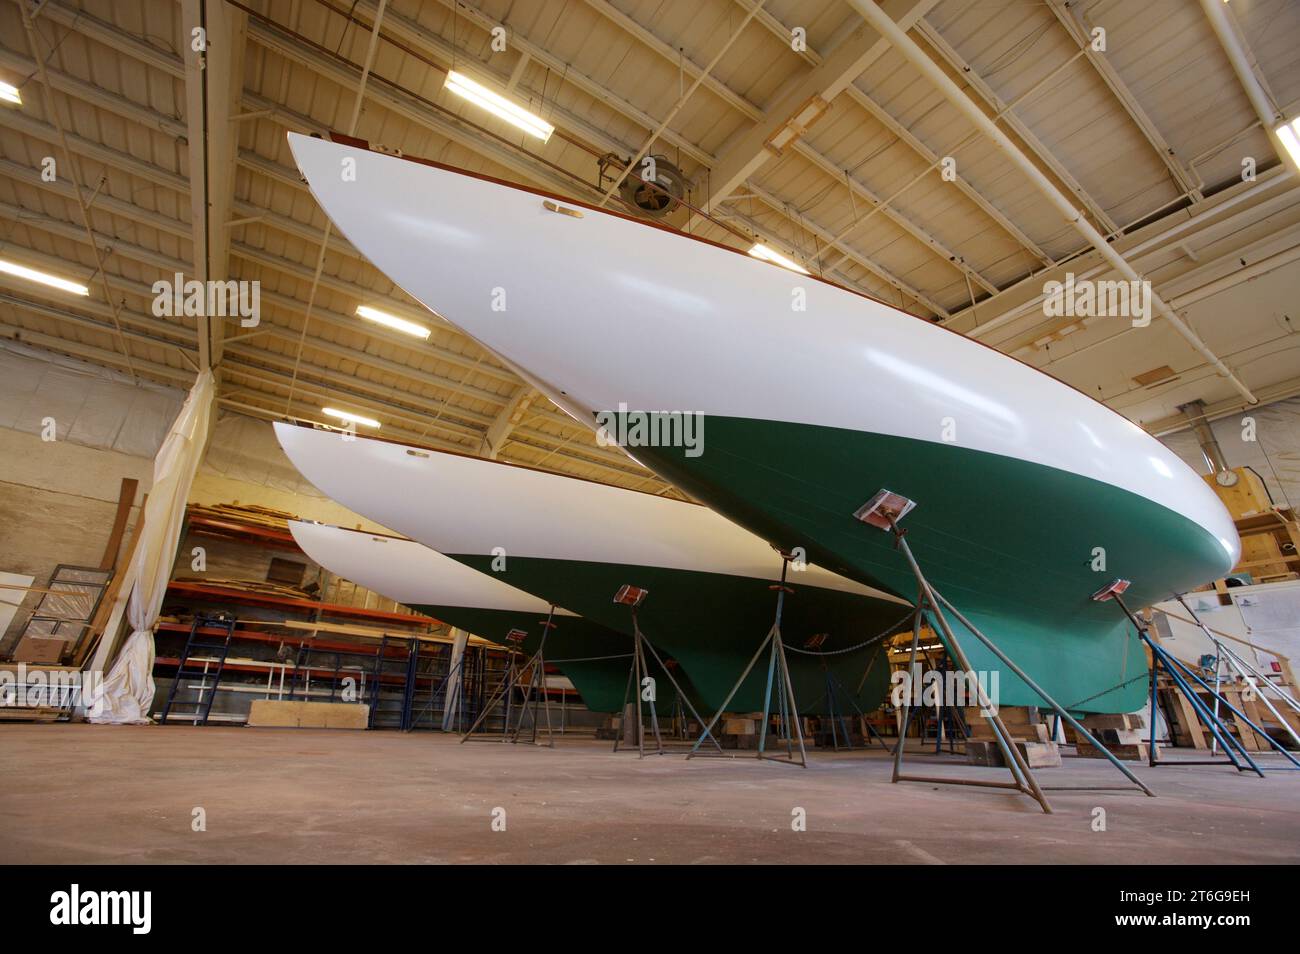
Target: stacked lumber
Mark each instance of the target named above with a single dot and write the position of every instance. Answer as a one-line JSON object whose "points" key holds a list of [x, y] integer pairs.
{"points": [[266, 518], [1023, 722], [1028, 733], [260, 587], [1121, 733]]}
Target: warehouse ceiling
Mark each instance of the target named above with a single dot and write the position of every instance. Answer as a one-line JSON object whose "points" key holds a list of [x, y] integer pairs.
{"points": [[837, 153]]}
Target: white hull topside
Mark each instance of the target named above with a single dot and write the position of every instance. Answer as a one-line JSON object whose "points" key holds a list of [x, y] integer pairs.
{"points": [[469, 506], [409, 572], [603, 311]]}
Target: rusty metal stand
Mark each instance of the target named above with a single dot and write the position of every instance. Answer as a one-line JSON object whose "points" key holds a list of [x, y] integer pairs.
{"points": [[883, 511], [640, 682], [778, 676], [535, 666]]}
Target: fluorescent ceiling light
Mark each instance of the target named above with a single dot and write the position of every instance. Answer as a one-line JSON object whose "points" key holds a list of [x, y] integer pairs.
{"points": [[392, 321], [1289, 133], [349, 416], [10, 94], [498, 105], [44, 278], [776, 258]]}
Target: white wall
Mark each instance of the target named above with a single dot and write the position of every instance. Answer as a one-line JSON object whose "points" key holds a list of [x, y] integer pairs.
{"points": [[58, 497], [1275, 454]]}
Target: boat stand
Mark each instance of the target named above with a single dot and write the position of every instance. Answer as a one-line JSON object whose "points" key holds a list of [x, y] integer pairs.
{"points": [[1180, 672], [535, 689], [884, 511], [838, 718], [778, 676], [1248, 674], [642, 684]]}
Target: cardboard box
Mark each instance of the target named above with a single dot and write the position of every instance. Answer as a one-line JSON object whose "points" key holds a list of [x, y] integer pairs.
{"points": [[41, 650]]}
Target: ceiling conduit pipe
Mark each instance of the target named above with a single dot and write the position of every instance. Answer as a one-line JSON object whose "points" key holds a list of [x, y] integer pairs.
{"points": [[887, 28], [1268, 114], [1210, 449]]}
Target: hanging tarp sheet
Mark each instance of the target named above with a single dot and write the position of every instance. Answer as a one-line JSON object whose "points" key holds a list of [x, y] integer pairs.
{"points": [[126, 693]]}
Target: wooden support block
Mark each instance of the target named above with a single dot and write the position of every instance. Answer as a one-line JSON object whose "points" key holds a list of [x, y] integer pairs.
{"points": [[285, 713], [277, 713], [344, 715], [1121, 720], [1126, 753], [739, 725], [1040, 754], [1109, 737], [981, 752]]}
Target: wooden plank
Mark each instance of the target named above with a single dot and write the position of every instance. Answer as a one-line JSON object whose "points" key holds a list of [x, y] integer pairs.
{"points": [[284, 713], [28, 713], [125, 501], [95, 632], [233, 594]]}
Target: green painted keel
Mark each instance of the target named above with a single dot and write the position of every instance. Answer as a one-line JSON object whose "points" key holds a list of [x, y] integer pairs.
{"points": [[712, 623], [1021, 569]]}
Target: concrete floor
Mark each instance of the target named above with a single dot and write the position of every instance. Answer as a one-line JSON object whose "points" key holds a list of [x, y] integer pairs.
{"points": [[122, 795]]}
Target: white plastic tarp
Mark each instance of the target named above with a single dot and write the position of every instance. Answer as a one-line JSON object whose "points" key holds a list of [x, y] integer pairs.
{"points": [[126, 693]]}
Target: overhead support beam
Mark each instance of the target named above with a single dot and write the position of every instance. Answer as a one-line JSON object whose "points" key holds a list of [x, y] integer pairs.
{"points": [[510, 417], [677, 58], [1013, 122], [112, 36], [803, 102], [95, 95], [830, 241], [1072, 216], [1239, 56], [1252, 200], [1071, 17], [73, 170], [410, 33], [408, 107], [214, 80], [932, 158], [681, 101], [882, 205], [561, 70]]}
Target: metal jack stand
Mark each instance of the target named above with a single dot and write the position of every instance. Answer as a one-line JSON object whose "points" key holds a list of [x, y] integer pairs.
{"points": [[1248, 674], [639, 680], [837, 718], [883, 511], [535, 666], [1179, 672], [778, 672]]}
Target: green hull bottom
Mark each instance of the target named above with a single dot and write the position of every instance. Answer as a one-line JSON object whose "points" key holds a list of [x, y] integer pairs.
{"points": [[996, 536], [712, 623], [601, 682]]}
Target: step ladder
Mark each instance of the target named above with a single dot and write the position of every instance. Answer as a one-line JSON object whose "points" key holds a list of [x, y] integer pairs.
{"points": [[200, 643]]}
